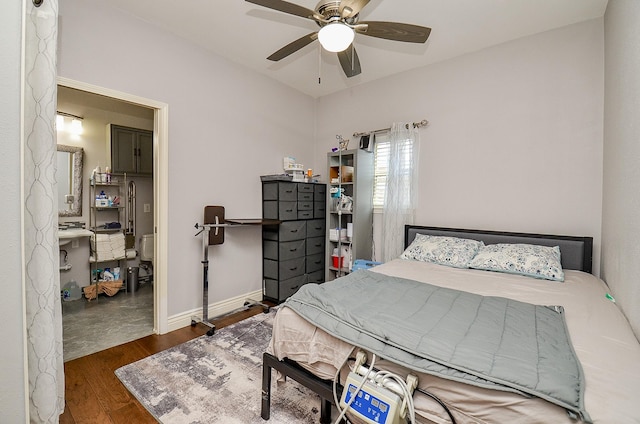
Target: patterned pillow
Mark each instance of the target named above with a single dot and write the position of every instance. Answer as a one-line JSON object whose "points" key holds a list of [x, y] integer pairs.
{"points": [[525, 259], [450, 251]]}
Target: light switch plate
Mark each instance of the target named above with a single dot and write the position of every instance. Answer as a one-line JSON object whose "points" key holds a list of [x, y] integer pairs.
{"points": [[147, 207]]}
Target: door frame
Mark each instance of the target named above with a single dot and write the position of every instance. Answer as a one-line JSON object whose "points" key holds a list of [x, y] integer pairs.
{"points": [[160, 190]]}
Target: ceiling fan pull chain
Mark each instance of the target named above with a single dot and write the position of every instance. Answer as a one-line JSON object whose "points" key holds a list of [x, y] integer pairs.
{"points": [[319, 64]]}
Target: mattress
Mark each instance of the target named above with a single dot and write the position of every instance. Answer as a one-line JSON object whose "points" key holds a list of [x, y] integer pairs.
{"points": [[602, 338]]}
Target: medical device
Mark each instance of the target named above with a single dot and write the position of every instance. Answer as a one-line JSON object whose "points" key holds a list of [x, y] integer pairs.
{"points": [[346, 204], [378, 397]]}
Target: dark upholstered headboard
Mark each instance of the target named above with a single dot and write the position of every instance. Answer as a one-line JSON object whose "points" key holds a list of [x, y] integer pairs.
{"points": [[575, 252]]}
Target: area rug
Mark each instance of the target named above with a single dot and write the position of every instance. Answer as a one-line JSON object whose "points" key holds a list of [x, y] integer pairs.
{"points": [[218, 379]]}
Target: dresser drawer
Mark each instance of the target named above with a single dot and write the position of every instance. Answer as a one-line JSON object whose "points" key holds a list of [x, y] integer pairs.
{"points": [[287, 191], [315, 228], [316, 276], [292, 249], [281, 290], [319, 209], [285, 211], [306, 188], [305, 196], [295, 230], [305, 214], [291, 268], [305, 206], [315, 245], [283, 251], [283, 270], [315, 262], [320, 193], [290, 286]]}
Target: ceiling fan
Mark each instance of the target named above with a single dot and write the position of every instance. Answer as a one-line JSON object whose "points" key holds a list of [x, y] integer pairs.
{"points": [[339, 21]]}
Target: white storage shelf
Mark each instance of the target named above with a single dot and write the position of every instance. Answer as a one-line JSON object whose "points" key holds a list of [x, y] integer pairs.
{"points": [[350, 171]]}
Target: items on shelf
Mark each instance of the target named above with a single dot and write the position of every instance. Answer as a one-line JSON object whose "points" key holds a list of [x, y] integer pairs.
{"points": [[68, 225], [108, 247], [110, 288], [295, 169]]}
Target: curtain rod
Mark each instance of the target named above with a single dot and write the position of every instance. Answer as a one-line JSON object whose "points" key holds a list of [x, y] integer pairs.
{"points": [[69, 115], [420, 124]]}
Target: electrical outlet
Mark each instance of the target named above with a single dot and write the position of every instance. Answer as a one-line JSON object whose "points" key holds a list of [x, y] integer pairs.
{"points": [[75, 243], [147, 207]]}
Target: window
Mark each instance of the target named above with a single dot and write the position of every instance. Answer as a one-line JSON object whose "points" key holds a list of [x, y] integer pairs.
{"points": [[381, 168], [382, 153]]}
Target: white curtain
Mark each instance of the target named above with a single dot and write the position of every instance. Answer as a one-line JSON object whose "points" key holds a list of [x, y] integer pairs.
{"points": [[41, 257], [401, 188]]}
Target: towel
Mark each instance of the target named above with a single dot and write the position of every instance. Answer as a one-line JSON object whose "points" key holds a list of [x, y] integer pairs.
{"points": [[108, 246]]}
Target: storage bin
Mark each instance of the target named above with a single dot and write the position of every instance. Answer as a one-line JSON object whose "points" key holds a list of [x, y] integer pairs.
{"points": [[346, 171]]}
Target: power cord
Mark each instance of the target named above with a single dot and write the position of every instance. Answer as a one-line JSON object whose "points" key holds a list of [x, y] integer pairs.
{"points": [[441, 403]]}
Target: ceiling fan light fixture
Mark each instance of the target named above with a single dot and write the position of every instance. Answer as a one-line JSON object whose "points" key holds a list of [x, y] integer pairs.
{"points": [[336, 37]]}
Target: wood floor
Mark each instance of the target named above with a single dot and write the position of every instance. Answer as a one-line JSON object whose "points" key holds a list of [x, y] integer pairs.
{"points": [[95, 395]]}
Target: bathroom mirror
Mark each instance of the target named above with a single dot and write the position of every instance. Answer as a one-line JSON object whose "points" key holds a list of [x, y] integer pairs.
{"points": [[69, 178]]}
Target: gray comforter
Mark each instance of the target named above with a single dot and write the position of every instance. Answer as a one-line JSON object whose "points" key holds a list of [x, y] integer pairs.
{"points": [[490, 342]]}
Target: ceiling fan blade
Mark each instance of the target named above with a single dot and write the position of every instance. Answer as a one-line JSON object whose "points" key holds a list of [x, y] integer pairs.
{"points": [[286, 7], [394, 31], [293, 47], [350, 62], [350, 8]]}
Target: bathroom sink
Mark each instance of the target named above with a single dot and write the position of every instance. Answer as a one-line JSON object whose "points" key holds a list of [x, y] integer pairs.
{"points": [[65, 236]]}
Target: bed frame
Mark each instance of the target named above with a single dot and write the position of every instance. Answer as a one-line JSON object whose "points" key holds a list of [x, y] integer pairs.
{"points": [[576, 254]]}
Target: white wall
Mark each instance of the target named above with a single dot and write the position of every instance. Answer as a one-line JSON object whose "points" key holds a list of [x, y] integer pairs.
{"points": [[227, 126], [515, 135], [621, 193], [13, 406]]}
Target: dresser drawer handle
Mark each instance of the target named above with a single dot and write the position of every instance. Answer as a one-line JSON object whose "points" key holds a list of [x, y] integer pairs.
{"points": [[293, 269], [294, 231], [289, 210], [318, 244], [288, 191], [294, 288], [293, 250], [317, 262]]}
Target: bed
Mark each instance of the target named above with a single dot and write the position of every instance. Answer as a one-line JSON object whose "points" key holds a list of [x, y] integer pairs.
{"points": [[601, 338]]}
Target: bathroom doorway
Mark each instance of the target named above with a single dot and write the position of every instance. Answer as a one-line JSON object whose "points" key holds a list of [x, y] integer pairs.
{"points": [[90, 326]]}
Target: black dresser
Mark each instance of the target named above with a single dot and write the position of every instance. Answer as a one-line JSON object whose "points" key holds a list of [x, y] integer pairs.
{"points": [[293, 252]]}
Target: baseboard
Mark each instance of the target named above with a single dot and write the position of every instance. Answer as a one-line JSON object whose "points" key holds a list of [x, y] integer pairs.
{"points": [[183, 319]]}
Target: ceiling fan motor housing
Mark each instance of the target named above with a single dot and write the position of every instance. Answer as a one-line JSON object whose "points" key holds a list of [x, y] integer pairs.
{"points": [[330, 10]]}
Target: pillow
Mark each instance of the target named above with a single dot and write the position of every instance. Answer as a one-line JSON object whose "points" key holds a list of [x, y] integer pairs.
{"points": [[525, 259], [449, 251]]}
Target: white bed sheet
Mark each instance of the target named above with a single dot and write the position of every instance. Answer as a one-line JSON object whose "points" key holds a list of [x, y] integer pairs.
{"points": [[600, 333]]}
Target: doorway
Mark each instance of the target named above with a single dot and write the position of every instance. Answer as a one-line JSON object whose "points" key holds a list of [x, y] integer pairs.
{"points": [[104, 107]]}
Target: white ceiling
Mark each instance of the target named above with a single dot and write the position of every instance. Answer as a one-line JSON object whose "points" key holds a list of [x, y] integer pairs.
{"points": [[246, 33]]}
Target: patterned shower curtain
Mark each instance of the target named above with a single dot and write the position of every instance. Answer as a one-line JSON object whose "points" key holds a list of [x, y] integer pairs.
{"points": [[41, 257]]}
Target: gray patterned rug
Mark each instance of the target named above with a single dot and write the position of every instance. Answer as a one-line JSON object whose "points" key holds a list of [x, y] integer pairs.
{"points": [[217, 379]]}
